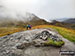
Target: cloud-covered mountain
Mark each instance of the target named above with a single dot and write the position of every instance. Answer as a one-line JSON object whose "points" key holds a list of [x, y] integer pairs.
{"points": [[21, 20], [18, 17]]}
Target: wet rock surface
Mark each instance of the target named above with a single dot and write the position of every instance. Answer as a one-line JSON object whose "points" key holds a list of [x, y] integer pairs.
{"points": [[30, 43]]}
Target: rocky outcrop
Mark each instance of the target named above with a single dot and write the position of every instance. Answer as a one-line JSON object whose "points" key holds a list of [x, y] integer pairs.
{"points": [[29, 43]]}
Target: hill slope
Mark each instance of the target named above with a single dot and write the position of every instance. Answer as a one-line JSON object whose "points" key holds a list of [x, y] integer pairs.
{"points": [[65, 32], [20, 22], [71, 21], [63, 24]]}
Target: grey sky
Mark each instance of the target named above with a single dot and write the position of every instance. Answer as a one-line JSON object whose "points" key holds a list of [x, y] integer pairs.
{"points": [[47, 9]]}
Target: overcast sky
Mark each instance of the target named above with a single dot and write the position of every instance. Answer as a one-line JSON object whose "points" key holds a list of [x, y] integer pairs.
{"points": [[47, 9]]}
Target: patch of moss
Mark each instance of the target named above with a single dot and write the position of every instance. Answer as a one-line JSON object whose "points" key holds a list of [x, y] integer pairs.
{"points": [[54, 43]]}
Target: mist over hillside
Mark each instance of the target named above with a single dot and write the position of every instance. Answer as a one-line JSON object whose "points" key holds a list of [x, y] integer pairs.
{"points": [[21, 20], [18, 17]]}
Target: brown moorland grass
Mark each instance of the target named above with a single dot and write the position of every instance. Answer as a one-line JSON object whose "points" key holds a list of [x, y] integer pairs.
{"points": [[65, 32], [9, 30]]}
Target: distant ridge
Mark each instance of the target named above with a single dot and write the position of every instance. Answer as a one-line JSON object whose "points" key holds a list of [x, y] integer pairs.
{"points": [[71, 21], [63, 24]]}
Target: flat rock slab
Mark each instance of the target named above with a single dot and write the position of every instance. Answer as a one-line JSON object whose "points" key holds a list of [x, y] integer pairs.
{"points": [[8, 44]]}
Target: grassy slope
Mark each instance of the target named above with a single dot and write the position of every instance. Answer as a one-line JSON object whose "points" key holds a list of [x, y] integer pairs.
{"points": [[9, 30], [66, 33]]}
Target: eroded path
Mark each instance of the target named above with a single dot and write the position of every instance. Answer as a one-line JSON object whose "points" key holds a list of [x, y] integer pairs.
{"points": [[8, 44]]}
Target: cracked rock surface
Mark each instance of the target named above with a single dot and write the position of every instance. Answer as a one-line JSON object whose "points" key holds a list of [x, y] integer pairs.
{"points": [[24, 43]]}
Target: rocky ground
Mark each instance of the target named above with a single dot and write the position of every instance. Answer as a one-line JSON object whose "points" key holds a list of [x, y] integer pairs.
{"points": [[26, 44]]}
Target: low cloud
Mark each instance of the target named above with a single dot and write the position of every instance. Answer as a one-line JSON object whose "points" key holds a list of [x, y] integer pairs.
{"points": [[47, 9]]}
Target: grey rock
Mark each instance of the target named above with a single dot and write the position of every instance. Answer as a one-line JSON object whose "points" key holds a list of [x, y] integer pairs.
{"points": [[23, 44], [38, 42]]}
